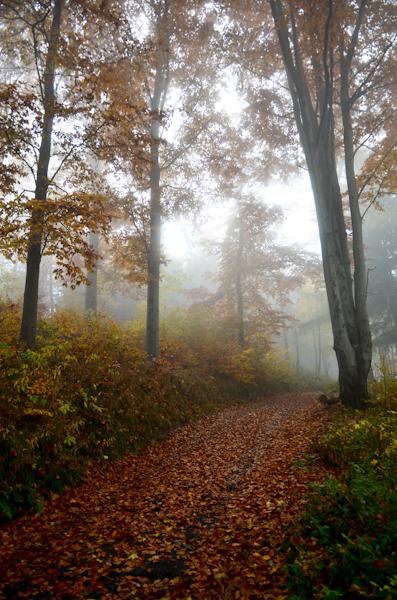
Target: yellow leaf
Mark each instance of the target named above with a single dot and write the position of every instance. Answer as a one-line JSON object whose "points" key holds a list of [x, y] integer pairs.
{"points": [[133, 556]]}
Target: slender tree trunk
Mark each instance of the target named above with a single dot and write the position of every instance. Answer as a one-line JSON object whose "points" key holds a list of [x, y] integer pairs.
{"points": [[297, 353], [51, 287], [91, 290], [315, 349], [319, 348], [30, 300], [284, 332], [239, 285], [316, 133], [285, 342], [154, 252], [240, 310], [153, 293]]}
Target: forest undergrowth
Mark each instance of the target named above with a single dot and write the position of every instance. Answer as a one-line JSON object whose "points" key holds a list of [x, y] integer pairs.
{"points": [[344, 546], [179, 478], [88, 393]]}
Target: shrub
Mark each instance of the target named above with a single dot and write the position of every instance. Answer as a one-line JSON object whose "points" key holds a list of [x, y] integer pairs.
{"points": [[89, 393], [346, 543]]}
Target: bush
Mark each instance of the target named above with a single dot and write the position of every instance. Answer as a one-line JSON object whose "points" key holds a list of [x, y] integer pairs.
{"points": [[346, 543], [89, 393]]}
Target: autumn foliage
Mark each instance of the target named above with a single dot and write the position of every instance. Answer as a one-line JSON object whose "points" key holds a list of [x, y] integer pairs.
{"points": [[89, 393], [200, 514]]}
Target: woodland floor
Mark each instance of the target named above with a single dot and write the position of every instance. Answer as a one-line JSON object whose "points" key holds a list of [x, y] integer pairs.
{"points": [[198, 516]]}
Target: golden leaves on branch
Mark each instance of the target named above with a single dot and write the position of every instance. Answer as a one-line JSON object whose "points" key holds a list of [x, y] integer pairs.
{"points": [[65, 223], [378, 176], [129, 256]]}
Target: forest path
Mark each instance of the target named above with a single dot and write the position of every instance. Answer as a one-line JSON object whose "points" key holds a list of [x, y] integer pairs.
{"points": [[198, 516]]}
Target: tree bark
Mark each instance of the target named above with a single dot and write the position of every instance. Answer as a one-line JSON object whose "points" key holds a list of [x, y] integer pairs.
{"points": [[319, 349], [337, 270], [316, 131], [91, 289], [239, 284], [154, 250], [364, 354], [297, 353], [30, 300], [153, 292]]}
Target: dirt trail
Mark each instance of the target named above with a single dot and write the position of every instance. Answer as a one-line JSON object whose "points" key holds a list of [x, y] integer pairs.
{"points": [[199, 515]]}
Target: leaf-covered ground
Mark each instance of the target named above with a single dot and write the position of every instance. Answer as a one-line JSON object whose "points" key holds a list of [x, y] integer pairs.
{"points": [[200, 515]]}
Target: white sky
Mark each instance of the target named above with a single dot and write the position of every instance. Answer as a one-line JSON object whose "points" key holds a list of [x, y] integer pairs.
{"points": [[296, 200]]}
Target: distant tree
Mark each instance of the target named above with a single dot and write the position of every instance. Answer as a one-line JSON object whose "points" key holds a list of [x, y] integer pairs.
{"points": [[312, 325], [256, 272], [380, 236], [91, 291]]}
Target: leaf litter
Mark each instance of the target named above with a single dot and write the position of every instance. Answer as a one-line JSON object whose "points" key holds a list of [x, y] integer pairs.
{"points": [[200, 515]]}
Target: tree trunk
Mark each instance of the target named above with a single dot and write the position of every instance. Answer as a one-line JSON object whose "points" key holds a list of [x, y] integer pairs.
{"points": [[297, 353], [319, 348], [337, 272], [49, 286], [91, 289], [239, 285], [30, 300], [313, 329], [364, 354], [316, 131], [153, 293], [285, 342], [154, 251]]}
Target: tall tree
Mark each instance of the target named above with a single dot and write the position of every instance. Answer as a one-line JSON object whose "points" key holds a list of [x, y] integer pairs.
{"points": [[61, 214], [30, 299], [91, 291], [157, 102], [316, 39], [380, 229], [170, 70]]}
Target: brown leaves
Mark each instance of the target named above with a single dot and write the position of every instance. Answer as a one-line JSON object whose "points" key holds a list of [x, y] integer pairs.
{"points": [[64, 224], [200, 515]]}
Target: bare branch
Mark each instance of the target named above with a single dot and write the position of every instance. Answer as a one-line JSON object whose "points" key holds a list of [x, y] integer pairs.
{"points": [[374, 199], [363, 88], [379, 164]]}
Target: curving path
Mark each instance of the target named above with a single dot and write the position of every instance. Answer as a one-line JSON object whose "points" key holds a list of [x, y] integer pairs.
{"points": [[198, 516]]}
